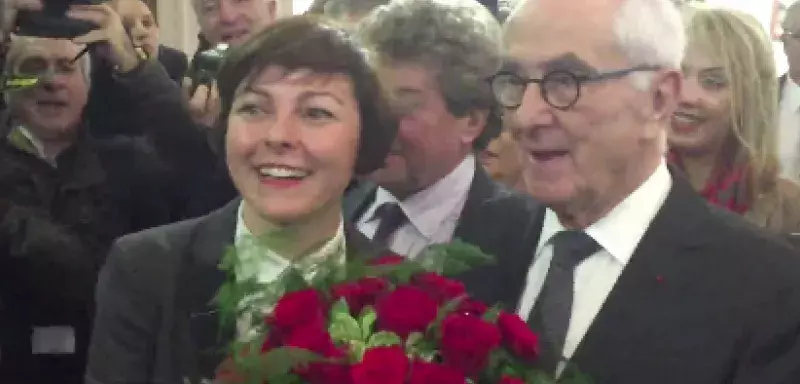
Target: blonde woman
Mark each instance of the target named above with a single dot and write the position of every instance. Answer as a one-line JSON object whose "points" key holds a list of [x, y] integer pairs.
{"points": [[724, 133]]}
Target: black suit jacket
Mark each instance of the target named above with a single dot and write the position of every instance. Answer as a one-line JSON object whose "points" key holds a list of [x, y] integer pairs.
{"points": [[155, 322], [706, 299], [174, 61], [495, 219]]}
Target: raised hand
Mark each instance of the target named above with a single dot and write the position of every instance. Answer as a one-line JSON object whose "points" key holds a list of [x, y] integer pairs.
{"points": [[116, 44]]}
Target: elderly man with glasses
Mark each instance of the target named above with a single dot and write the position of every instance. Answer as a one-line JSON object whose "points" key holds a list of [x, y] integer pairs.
{"points": [[635, 279]]}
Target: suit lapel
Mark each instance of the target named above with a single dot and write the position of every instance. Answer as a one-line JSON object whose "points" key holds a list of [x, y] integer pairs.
{"points": [[357, 200], [359, 246], [473, 219], [635, 303], [199, 283]]}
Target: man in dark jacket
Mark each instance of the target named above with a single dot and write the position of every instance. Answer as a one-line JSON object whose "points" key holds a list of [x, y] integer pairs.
{"points": [[64, 198]]}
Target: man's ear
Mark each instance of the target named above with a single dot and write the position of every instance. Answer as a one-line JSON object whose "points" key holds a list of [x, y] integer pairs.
{"points": [[666, 93], [473, 125]]}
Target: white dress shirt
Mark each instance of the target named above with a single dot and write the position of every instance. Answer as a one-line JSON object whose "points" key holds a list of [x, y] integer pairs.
{"points": [[618, 234], [789, 131], [256, 260], [432, 213]]}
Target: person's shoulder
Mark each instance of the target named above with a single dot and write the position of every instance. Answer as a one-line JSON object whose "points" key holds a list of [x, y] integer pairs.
{"points": [[752, 248], [154, 248]]}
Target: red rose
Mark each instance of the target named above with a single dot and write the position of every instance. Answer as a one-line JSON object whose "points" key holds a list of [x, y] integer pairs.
{"points": [[510, 380], [406, 309], [298, 309], [441, 288], [467, 342], [381, 365], [359, 294], [427, 373], [471, 307], [518, 336], [327, 373], [314, 339], [388, 260]]}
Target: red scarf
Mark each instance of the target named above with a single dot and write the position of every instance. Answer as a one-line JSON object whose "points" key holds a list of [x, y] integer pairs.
{"points": [[726, 188]]}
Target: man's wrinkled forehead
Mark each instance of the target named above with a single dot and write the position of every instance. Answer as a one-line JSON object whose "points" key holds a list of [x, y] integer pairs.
{"points": [[51, 49], [545, 36]]}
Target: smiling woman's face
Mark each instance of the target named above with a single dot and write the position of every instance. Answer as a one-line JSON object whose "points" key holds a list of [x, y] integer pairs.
{"points": [[292, 143], [702, 122]]}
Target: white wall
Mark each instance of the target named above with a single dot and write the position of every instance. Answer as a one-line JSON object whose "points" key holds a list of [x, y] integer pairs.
{"points": [[178, 25]]}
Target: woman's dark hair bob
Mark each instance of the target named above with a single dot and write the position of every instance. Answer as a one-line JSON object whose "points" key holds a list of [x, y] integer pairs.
{"points": [[308, 43]]}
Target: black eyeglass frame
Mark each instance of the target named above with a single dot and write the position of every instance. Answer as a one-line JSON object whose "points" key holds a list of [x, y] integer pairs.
{"points": [[579, 80]]}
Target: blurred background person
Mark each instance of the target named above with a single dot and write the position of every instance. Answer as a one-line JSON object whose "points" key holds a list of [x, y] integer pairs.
{"points": [[350, 12], [109, 104], [432, 188], [501, 161], [64, 197], [723, 135]]}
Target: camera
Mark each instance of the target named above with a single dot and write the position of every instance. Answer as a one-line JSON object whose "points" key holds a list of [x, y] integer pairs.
{"points": [[206, 65], [52, 21]]}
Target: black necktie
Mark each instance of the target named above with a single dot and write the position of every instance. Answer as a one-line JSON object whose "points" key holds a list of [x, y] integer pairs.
{"points": [[553, 310], [391, 218]]}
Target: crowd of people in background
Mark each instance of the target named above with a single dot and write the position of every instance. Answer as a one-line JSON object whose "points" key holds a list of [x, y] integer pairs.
{"points": [[672, 146]]}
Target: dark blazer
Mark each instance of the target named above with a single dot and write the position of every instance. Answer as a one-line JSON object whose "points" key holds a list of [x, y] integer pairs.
{"points": [[497, 220], [706, 299], [174, 61], [155, 322]]}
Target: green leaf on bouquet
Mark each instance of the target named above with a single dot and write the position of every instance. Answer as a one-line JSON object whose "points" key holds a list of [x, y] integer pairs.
{"points": [[572, 375], [446, 309], [492, 314], [367, 321], [397, 273], [357, 350], [344, 328], [285, 379], [413, 339], [340, 308], [419, 346], [383, 339], [454, 258], [281, 361], [541, 378], [291, 280]]}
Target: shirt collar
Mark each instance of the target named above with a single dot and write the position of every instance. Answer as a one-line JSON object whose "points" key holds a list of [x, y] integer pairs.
{"points": [[427, 209], [244, 239], [22, 138], [621, 230]]}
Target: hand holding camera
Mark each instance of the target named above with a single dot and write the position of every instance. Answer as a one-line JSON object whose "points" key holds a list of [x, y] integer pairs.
{"points": [[200, 88], [9, 10], [110, 35]]}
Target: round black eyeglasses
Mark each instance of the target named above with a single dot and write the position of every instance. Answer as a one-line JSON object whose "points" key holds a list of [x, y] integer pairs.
{"points": [[560, 89]]}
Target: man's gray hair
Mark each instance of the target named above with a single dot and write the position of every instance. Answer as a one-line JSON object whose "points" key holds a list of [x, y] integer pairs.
{"points": [[16, 50], [458, 40], [648, 32], [338, 8]]}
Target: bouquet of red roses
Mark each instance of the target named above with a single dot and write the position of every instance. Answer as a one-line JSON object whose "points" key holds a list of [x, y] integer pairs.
{"points": [[391, 321]]}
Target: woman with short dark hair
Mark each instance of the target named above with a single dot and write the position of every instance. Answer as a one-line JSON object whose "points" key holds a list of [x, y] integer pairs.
{"points": [[302, 114]]}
